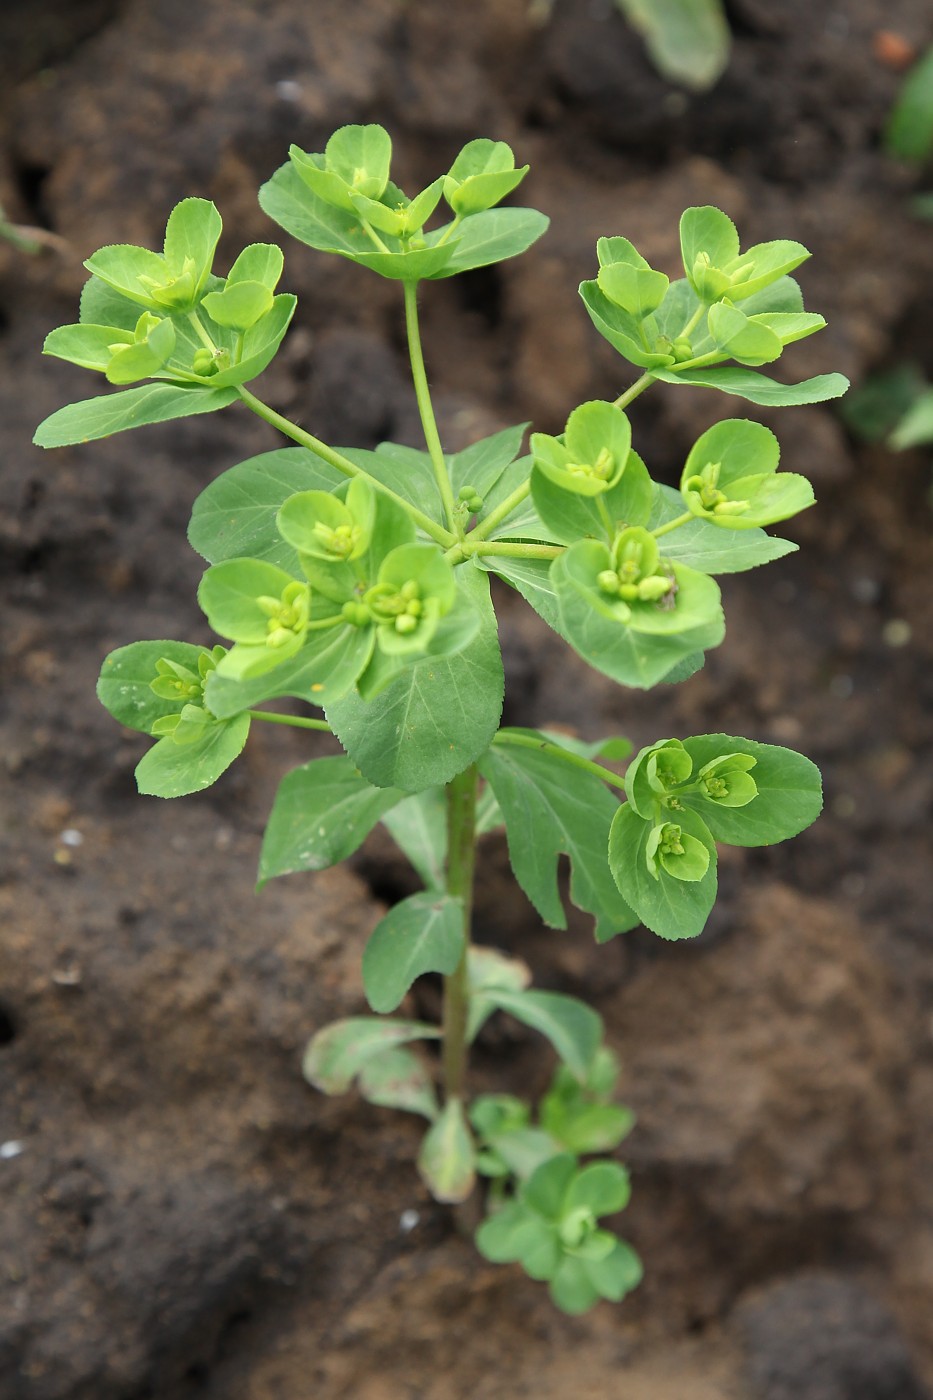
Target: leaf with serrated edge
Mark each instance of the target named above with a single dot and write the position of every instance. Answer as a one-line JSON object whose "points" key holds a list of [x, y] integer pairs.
{"points": [[551, 807]]}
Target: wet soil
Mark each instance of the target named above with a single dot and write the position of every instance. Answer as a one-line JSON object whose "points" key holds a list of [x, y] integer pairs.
{"points": [[180, 1215]]}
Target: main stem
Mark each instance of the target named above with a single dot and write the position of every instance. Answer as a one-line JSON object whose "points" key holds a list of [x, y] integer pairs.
{"points": [[461, 834]]}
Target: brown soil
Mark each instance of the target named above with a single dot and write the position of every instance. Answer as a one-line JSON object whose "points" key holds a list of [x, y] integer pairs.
{"points": [[186, 1218]]}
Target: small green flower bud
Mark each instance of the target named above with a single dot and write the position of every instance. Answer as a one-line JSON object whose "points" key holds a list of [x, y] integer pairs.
{"points": [[410, 590], [417, 243], [682, 349], [406, 624], [576, 1227], [356, 613], [604, 465], [203, 362], [628, 591], [608, 581], [652, 588]]}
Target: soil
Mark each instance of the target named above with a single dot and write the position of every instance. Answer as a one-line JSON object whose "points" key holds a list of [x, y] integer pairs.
{"points": [[181, 1217]]}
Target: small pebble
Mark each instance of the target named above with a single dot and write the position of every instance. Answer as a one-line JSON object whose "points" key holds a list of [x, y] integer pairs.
{"points": [[407, 1221], [11, 1149], [71, 837], [288, 90], [897, 632], [865, 589]]}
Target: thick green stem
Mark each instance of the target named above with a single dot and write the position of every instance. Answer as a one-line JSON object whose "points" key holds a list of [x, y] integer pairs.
{"points": [[461, 833], [297, 721], [509, 550], [505, 737], [637, 388], [342, 464], [426, 408]]}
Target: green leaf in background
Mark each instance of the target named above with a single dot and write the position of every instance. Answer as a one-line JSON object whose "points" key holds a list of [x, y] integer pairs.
{"points": [[322, 812], [574, 1029], [447, 1160], [437, 717], [398, 1079], [790, 795], [338, 1053], [704, 546], [130, 408], [235, 515], [671, 908], [758, 388], [916, 426], [173, 769], [552, 807], [125, 684], [909, 132], [688, 40], [423, 933], [418, 825]]}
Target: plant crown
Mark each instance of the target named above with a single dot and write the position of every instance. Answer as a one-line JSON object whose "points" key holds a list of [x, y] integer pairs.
{"points": [[358, 582]]}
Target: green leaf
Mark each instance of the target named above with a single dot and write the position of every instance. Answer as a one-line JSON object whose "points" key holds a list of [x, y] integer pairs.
{"points": [[235, 516], [589, 1127], [239, 306], [120, 266], [742, 339], [789, 792], [669, 907], [547, 1188], [171, 769], [916, 426], [572, 1290], [551, 807], [490, 237], [437, 717], [706, 547], [532, 579], [909, 132], [688, 40], [124, 687], [324, 669], [259, 262], [603, 1187], [447, 1160], [404, 470], [504, 1235], [398, 1079], [573, 1028], [421, 934], [361, 155], [628, 279], [758, 388], [260, 343], [228, 592], [419, 826], [616, 1274], [322, 812], [131, 408], [337, 1054], [482, 464]]}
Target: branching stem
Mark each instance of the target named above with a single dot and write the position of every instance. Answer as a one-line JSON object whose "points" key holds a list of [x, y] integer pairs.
{"points": [[341, 463], [529, 741], [297, 721], [426, 408]]}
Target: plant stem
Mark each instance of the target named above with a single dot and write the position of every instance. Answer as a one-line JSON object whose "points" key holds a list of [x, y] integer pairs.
{"points": [[461, 834], [637, 388], [426, 408], [673, 524], [510, 550], [201, 333], [502, 510], [298, 721], [694, 321], [342, 464], [529, 741]]}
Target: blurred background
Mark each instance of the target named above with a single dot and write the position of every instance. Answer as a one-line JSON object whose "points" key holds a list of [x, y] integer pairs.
{"points": [[181, 1217]]}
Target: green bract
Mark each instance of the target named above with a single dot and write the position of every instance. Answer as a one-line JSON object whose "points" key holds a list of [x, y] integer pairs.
{"points": [[593, 453], [731, 478], [355, 582]]}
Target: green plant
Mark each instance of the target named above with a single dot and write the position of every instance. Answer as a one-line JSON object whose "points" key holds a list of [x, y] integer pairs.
{"points": [[357, 582], [688, 40]]}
